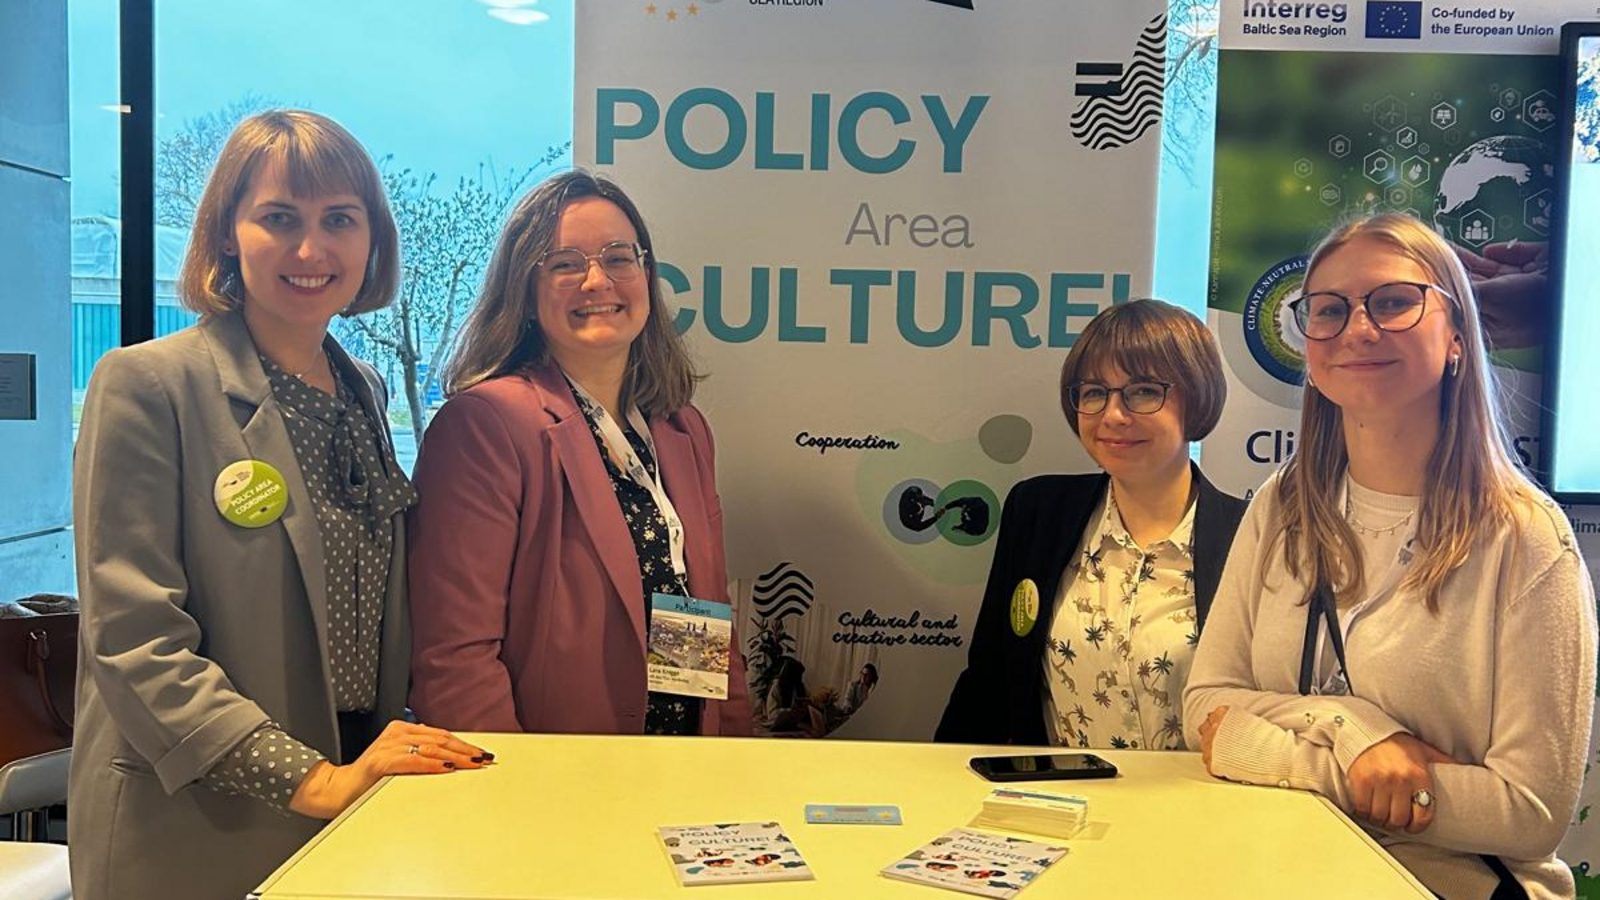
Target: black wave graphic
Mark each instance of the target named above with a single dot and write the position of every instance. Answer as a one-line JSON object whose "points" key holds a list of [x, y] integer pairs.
{"points": [[782, 592], [1109, 122]]}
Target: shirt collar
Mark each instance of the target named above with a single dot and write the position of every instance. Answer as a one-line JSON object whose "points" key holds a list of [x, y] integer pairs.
{"points": [[1109, 529]]}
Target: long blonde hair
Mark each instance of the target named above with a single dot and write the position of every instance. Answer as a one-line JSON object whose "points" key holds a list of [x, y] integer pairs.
{"points": [[1473, 483], [501, 335]]}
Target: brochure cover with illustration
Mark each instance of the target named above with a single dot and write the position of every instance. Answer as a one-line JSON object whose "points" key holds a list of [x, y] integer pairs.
{"points": [[989, 865], [689, 645], [732, 853]]}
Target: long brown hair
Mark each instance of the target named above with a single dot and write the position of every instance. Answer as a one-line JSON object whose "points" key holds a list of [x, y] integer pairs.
{"points": [[319, 157], [1473, 483], [502, 335]]}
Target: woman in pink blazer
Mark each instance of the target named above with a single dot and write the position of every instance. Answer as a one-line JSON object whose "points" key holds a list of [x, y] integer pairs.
{"points": [[566, 481]]}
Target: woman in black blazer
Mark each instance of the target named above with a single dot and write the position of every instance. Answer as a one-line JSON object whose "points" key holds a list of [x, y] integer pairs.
{"points": [[1101, 583]]}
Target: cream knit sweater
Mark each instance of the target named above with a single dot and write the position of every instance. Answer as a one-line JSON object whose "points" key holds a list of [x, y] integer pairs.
{"points": [[1501, 678]]}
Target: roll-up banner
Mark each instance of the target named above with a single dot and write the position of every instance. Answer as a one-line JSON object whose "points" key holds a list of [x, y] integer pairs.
{"points": [[881, 226]]}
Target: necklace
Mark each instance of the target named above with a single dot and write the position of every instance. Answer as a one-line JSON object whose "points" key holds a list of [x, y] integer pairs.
{"points": [[300, 375], [1359, 526]]}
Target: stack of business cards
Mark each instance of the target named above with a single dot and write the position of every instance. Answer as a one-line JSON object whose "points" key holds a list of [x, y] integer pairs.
{"points": [[1033, 812], [989, 865], [733, 852]]}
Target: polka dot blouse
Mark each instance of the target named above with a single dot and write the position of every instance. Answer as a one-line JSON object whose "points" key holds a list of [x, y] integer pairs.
{"points": [[356, 488]]}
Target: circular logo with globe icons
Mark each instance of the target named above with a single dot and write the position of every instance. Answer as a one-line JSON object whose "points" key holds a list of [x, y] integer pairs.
{"points": [[1269, 331], [1496, 190]]}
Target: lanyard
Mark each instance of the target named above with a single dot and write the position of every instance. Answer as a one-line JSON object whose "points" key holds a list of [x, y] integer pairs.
{"points": [[1324, 596], [1319, 609], [634, 469]]}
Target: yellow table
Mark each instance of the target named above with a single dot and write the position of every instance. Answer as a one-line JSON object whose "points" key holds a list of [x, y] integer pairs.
{"points": [[575, 817]]}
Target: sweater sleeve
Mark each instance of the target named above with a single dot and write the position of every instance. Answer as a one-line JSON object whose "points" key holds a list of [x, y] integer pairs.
{"points": [[1519, 802], [1269, 737]]}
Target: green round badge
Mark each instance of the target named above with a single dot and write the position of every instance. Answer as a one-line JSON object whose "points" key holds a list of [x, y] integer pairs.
{"points": [[251, 494], [1024, 607]]}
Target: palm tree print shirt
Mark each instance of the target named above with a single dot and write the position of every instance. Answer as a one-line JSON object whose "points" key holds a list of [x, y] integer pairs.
{"points": [[1123, 638]]}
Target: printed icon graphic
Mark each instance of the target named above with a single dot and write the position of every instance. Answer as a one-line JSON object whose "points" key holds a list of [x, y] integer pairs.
{"points": [[1339, 145], [1122, 102], [1330, 194], [1389, 113], [1539, 110], [1302, 167], [1394, 19], [1536, 212], [1406, 137], [1415, 171], [1443, 116], [1378, 166], [1477, 228]]}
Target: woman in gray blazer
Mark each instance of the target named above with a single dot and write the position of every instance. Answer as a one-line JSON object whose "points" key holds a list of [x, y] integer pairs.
{"points": [[241, 554]]}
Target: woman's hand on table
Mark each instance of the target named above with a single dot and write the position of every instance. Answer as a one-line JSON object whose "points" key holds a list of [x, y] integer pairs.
{"points": [[402, 749], [1388, 779], [1208, 734]]}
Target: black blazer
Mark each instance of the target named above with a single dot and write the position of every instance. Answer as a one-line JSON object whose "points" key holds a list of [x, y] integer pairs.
{"points": [[999, 698]]}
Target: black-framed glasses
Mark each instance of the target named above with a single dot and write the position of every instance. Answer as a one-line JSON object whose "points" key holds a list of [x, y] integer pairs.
{"points": [[622, 261], [1143, 397], [1396, 306]]}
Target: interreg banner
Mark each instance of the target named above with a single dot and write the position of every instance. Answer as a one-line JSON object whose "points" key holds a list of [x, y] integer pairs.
{"points": [[881, 226], [1328, 110]]}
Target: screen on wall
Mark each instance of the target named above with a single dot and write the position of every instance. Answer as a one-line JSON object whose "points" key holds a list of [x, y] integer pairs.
{"points": [[1571, 451]]}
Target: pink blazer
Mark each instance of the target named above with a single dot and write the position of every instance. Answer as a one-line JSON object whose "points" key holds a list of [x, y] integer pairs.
{"points": [[527, 608]]}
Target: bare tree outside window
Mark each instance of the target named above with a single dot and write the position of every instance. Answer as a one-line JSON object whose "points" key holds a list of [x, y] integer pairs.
{"points": [[1191, 82]]}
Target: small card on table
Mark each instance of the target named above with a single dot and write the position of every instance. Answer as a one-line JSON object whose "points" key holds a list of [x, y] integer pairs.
{"points": [[836, 814]]}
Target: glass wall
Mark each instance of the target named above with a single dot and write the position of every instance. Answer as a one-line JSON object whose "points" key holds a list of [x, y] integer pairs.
{"points": [[464, 104]]}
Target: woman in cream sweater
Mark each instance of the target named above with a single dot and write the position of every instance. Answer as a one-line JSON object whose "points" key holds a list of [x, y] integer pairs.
{"points": [[1405, 624]]}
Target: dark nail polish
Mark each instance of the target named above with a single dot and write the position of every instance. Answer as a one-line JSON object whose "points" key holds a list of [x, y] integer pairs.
{"points": [[488, 756], [449, 765], [477, 759]]}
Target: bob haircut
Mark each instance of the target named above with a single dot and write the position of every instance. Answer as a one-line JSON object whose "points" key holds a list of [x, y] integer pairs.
{"points": [[502, 335], [1155, 340], [318, 157]]}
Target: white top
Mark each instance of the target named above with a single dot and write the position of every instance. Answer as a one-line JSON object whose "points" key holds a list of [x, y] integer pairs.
{"points": [[1122, 638], [1502, 677]]}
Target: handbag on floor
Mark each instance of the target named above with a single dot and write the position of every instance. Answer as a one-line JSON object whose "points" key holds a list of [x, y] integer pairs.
{"points": [[38, 671]]}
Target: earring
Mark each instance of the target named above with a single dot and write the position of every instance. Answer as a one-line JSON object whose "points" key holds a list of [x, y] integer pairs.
{"points": [[1455, 366], [1309, 382]]}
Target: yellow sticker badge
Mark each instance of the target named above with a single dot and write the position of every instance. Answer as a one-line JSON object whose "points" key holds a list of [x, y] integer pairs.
{"points": [[251, 494], [1024, 607]]}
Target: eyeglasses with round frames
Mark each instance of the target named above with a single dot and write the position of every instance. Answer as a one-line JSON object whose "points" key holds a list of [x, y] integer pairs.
{"points": [[568, 267], [1142, 397], [1393, 307]]}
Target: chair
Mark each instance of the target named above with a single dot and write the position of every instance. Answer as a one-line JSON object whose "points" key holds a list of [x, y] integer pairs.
{"points": [[28, 787]]}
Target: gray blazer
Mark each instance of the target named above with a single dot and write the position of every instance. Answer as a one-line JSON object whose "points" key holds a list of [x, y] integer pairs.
{"points": [[195, 631]]}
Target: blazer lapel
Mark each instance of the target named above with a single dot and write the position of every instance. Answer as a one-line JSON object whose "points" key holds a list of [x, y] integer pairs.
{"points": [[593, 492], [267, 439]]}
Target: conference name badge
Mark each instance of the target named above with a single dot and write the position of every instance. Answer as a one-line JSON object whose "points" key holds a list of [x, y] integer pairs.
{"points": [[690, 644], [1024, 607], [251, 494]]}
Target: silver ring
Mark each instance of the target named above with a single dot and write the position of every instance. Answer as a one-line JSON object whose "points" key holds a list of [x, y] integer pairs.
{"points": [[413, 749], [1422, 799]]}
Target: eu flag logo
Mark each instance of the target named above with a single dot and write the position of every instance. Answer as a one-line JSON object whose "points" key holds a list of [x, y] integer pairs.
{"points": [[1394, 19]]}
